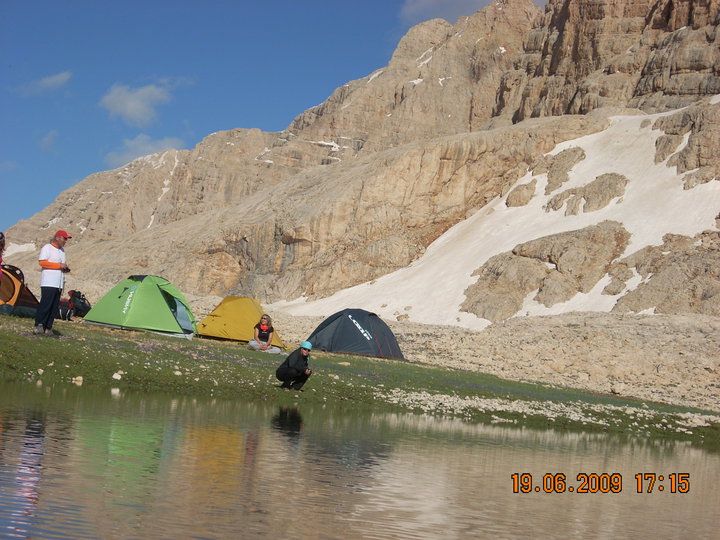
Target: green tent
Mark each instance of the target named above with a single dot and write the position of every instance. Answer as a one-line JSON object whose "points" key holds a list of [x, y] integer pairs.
{"points": [[145, 303]]}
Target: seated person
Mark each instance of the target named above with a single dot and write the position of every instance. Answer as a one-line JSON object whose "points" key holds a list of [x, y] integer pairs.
{"points": [[294, 371], [263, 336]]}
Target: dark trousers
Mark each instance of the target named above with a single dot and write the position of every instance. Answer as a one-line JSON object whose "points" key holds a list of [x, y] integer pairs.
{"points": [[48, 308], [290, 379]]}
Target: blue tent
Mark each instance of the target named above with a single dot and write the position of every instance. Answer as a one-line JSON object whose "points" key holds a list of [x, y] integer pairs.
{"points": [[356, 331]]}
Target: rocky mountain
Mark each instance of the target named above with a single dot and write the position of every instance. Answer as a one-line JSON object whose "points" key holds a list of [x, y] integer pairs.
{"points": [[517, 162], [651, 54]]}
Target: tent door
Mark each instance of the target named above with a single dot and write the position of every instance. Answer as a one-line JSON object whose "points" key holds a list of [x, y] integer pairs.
{"points": [[180, 313]]}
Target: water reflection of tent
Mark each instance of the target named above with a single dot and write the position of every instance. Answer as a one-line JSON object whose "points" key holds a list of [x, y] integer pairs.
{"points": [[217, 452], [144, 303], [15, 297], [356, 331], [235, 318], [126, 454], [353, 440], [212, 470]]}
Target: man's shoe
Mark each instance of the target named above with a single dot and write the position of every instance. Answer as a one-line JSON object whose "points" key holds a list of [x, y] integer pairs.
{"points": [[38, 330], [51, 333]]}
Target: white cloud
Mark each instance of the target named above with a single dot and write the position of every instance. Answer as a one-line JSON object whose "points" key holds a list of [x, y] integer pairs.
{"points": [[47, 143], [47, 84], [414, 11], [141, 145], [136, 106], [8, 166]]}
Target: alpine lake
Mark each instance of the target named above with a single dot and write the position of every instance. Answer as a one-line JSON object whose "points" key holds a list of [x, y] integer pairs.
{"points": [[121, 461]]}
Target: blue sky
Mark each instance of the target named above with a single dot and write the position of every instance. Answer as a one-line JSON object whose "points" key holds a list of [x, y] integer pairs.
{"points": [[87, 86]]}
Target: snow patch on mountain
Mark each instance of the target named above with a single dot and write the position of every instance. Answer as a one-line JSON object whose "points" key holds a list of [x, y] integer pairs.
{"points": [[12, 249], [432, 288]]}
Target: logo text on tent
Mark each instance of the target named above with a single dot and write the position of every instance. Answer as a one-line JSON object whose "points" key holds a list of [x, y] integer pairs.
{"points": [[128, 300], [362, 330]]}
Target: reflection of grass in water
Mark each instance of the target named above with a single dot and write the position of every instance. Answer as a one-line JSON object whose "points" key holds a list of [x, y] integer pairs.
{"points": [[223, 369]]}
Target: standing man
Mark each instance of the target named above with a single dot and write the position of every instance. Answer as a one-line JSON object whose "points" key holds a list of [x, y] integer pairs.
{"points": [[52, 281], [294, 371]]}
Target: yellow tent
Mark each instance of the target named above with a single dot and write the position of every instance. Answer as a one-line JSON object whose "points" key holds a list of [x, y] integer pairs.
{"points": [[235, 318]]}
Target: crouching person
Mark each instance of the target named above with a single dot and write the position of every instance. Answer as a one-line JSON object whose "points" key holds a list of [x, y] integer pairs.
{"points": [[294, 371]]}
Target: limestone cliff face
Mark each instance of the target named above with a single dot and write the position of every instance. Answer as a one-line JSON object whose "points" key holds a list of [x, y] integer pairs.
{"points": [[362, 184], [157, 189], [441, 80], [701, 126], [585, 54]]}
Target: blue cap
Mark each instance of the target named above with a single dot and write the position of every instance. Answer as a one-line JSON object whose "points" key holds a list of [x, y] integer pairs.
{"points": [[306, 345]]}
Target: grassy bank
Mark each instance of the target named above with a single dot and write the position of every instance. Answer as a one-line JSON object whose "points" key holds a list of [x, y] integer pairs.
{"points": [[90, 355]]}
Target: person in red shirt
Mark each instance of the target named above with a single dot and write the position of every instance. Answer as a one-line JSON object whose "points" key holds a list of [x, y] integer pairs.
{"points": [[263, 336]]}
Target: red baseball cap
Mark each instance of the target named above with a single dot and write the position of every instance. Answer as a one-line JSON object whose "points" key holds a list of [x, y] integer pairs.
{"points": [[62, 234]]}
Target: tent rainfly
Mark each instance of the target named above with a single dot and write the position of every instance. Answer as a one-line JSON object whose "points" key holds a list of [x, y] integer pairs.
{"points": [[15, 297], [145, 303], [356, 331], [234, 319]]}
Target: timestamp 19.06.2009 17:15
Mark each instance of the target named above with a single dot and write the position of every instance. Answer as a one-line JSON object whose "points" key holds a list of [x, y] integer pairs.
{"points": [[557, 482]]}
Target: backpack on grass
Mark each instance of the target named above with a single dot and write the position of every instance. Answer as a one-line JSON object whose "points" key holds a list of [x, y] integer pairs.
{"points": [[75, 305]]}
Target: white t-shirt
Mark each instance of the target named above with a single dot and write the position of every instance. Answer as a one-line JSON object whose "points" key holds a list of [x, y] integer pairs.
{"points": [[52, 278]]}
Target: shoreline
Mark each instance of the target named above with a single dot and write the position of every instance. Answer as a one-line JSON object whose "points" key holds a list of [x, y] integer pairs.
{"points": [[88, 355]]}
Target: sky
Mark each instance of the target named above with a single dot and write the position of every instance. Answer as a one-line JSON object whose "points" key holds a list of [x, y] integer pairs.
{"points": [[87, 86]]}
